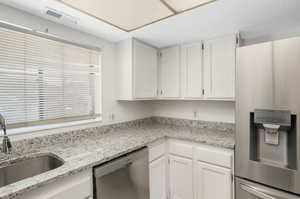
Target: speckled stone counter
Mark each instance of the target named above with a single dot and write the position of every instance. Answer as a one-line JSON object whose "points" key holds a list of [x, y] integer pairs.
{"points": [[86, 148]]}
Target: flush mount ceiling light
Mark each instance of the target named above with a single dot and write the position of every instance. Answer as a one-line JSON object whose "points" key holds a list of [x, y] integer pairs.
{"points": [[130, 15]]}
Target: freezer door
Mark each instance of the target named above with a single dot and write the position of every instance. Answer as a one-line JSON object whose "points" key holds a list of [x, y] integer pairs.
{"points": [[249, 190]]}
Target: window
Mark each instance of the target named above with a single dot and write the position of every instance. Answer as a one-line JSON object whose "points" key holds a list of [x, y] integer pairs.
{"points": [[44, 81]]}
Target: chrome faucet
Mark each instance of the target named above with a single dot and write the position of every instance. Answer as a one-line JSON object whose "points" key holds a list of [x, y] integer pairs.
{"points": [[6, 144]]}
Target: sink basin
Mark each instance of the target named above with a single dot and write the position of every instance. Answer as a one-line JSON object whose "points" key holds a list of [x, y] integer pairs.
{"points": [[28, 167]]}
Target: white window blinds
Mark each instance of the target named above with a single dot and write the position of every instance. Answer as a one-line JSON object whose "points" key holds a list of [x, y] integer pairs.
{"points": [[44, 81]]}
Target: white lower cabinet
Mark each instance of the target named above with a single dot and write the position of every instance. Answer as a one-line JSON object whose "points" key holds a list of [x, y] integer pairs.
{"points": [[158, 189], [212, 182], [181, 178], [186, 170], [78, 186]]}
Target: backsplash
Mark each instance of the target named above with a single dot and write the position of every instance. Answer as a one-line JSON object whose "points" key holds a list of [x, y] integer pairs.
{"points": [[221, 126]]}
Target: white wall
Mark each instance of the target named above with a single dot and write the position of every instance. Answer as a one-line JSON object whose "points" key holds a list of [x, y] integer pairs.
{"points": [[123, 111], [196, 110]]}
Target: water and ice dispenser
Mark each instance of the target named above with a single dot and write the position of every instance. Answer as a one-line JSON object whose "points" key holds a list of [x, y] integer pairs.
{"points": [[273, 138]]}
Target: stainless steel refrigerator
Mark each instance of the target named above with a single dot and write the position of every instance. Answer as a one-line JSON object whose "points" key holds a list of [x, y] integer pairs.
{"points": [[267, 153]]}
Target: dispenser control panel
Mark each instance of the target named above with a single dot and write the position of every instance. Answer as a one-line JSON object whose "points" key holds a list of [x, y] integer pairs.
{"points": [[277, 117]]}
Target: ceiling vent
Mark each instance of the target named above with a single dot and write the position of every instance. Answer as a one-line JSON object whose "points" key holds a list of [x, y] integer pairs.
{"points": [[54, 14], [58, 15]]}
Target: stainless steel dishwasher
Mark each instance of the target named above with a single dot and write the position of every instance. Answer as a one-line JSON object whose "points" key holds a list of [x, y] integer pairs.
{"points": [[126, 177]]}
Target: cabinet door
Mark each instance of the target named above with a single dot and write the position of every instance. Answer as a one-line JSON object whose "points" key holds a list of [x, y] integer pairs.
{"points": [[145, 63], [181, 178], [212, 182], [79, 186], [219, 68], [80, 190], [170, 73], [158, 179], [192, 70]]}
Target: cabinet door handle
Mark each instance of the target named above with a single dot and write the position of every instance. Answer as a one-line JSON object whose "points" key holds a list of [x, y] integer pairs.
{"points": [[161, 92]]}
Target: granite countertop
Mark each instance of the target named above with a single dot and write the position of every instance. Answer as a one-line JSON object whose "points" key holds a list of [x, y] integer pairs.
{"points": [[87, 148]]}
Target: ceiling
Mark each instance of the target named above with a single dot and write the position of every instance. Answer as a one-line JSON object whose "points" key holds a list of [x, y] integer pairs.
{"points": [[255, 19], [129, 15]]}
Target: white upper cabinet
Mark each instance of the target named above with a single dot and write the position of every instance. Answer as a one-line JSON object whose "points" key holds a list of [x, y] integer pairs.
{"points": [[219, 68], [196, 71], [169, 81], [192, 71], [137, 65], [145, 70]]}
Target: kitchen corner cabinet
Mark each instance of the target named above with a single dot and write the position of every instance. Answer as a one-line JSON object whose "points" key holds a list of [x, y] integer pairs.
{"points": [[169, 73], [192, 70], [219, 68], [137, 65], [79, 186]]}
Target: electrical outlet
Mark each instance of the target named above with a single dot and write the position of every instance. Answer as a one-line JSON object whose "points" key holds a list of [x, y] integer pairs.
{"points": [[195, 114], [111, 117]]}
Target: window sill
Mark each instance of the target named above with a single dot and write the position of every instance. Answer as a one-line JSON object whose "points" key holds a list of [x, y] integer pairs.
{"points": [[51, 126]]}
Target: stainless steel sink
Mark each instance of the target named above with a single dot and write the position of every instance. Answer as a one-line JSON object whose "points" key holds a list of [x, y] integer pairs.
{"points": [[28, 167]]}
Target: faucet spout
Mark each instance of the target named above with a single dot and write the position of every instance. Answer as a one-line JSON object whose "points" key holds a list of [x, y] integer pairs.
{"points": [[6, 144]]}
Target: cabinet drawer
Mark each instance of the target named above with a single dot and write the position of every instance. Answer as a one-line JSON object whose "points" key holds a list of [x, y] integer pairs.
{"points": [[181, 148], [156, 151], [221, 157]]}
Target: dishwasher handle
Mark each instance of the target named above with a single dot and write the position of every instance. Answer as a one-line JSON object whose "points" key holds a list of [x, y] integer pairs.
{"points": [[111, 167]]}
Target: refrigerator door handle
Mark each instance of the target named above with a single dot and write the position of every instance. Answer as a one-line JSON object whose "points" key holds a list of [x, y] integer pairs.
{"points": [[256, 192]]}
